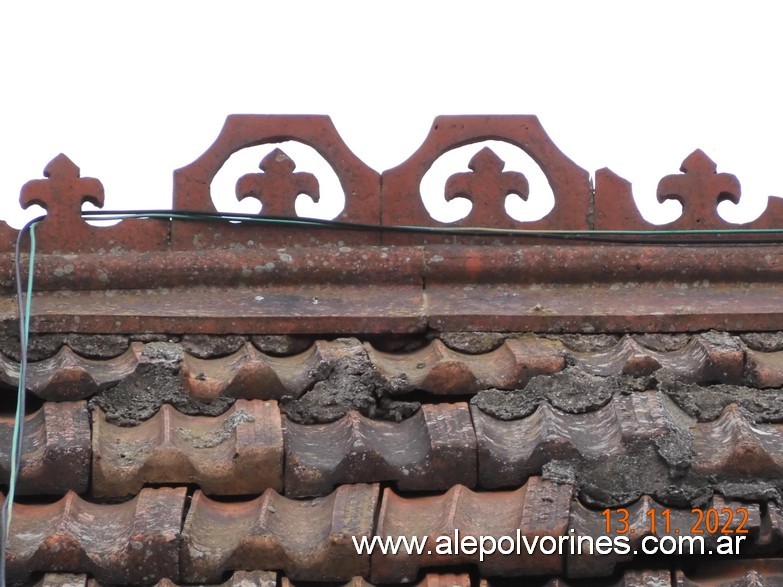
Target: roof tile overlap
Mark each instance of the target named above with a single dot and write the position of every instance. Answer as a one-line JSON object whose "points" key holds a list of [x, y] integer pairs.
{"points": [[237, 453], [309, 540], [432, 450], [55, 450], [132, 542], [539, 508]]}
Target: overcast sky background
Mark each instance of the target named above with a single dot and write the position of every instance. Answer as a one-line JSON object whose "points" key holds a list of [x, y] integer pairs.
{"points": [[132, 91]]}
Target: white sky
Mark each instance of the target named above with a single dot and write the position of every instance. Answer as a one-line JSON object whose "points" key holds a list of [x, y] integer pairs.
{"points": [[131, 91]]}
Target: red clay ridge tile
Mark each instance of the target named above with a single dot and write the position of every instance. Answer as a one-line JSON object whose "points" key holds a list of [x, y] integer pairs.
{"points": [[67, 376], [703, 359], [55, 450], [251, 374], [63, 230], [683, 522], [133, 542], [539, 508], [237, 453], [700, 188], [192, 183], [511, 451], [432, 450], [309, 540], [439, 370], [487, 185]]}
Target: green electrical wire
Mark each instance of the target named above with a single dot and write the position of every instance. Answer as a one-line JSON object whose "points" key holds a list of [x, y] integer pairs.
{"points": [[16, 446], [16, 442]]}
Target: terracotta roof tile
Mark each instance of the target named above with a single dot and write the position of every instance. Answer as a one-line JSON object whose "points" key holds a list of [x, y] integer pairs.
{"points": [[249, 373], [237, 453], [512, 451], [132, 542], [735, 445], [442, 371], [683, 523], [538, 509], [432, 450], [68, 376], [55, 449], [310, 540], [702, 359], [765, 369]]}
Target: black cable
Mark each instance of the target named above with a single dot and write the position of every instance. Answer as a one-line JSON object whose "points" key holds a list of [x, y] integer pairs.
{"points": [[652, 237]]}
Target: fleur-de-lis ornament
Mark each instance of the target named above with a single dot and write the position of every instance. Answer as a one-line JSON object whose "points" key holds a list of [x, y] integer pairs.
{"points": [[486, 185], [278, 186]]}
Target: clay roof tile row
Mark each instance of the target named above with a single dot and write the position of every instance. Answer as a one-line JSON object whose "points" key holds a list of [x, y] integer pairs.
{"points": [[252, 447], [145, 539], [251, 374]]}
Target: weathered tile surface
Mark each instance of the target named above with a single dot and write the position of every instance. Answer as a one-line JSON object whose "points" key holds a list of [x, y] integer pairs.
{"points": [[442, 371], [511, 451], [136, 542], [309, 540], [68, 376], [702, 359], [251, 374], [55, 450], [538, 509], [237, 453], [432, 450]]}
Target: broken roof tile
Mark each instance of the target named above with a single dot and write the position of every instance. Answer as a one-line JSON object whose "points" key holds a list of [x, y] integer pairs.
{"points": [[132, 542], [55, 450], [309, 540], [251, 374], [237, 453], [439, 370], [538, 509], [432, 450], [682, 523], [511, 451]]}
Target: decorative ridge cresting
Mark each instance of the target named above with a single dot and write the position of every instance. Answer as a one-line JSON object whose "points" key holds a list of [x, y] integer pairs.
{"points": [[378, 200]]}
